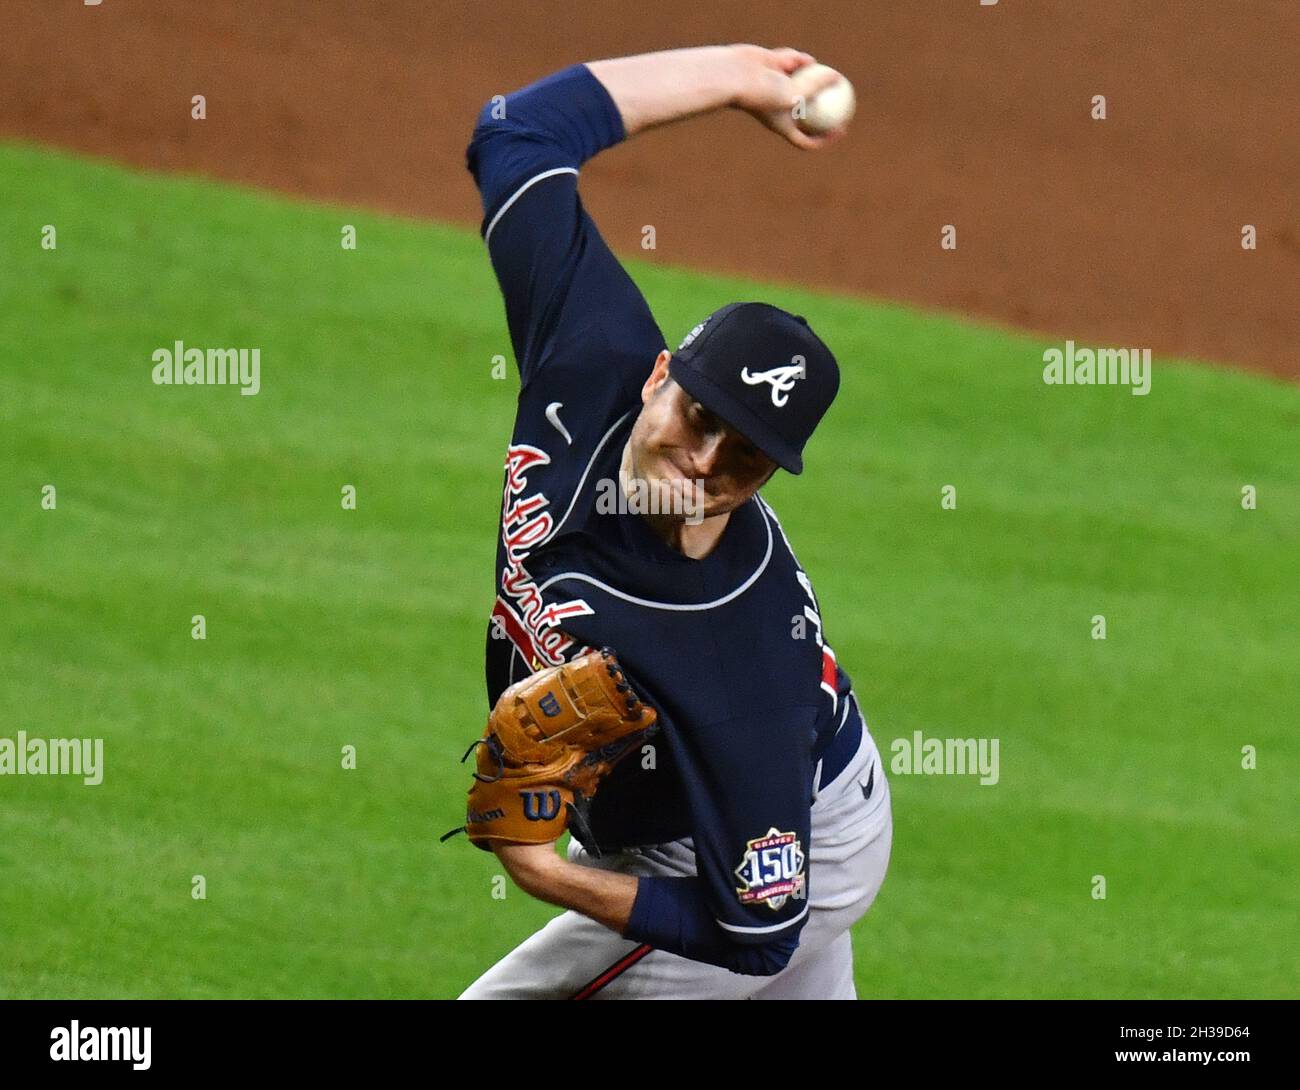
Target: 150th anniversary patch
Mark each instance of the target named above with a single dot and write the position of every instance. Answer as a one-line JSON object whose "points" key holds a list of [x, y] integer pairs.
{"points": [[771, 870]]}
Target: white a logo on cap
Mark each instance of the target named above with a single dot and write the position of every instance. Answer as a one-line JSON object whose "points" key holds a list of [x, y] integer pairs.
{"points": [[781, 379]]}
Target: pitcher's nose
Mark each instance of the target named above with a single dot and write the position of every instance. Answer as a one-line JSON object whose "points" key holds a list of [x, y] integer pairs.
{"points": [[704, 460]]}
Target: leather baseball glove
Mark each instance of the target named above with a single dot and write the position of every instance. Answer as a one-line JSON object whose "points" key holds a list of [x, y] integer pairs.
{"points": [[549, 741]]}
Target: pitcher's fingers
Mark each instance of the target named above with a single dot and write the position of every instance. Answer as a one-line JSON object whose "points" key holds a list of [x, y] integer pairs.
{"points": [[824, 139], [798, 137], [812, 141], [790, 59]]}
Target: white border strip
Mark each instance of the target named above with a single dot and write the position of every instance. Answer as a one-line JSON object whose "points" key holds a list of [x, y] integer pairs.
{"points": [[582, 481], [520, 192], [581, 577], [764, 930]]}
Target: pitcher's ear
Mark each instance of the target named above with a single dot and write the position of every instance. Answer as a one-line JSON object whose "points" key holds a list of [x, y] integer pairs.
{"points": [[658, 379]]}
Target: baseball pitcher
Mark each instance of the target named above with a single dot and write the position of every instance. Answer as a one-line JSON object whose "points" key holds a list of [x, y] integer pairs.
{"points": [[661, 678]]}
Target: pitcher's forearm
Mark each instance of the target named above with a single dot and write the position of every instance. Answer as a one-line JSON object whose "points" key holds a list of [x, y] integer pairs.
{"points": [[605, 896], [652, 89], [668, 913]]}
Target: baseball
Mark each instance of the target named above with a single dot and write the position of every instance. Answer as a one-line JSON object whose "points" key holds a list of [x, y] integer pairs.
{"points": [[831, 108]]}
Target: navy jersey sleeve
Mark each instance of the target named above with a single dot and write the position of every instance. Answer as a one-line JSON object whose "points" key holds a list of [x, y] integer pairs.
{"points": [[557, 276], [751, 822], [751, 819], [673, 914]]}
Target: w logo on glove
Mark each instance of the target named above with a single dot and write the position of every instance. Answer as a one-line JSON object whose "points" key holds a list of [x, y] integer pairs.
{"points": [[550, 740], [540, 805]]}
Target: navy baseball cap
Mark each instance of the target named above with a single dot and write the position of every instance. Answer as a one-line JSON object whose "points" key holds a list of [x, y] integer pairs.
{"points": [[763, 371]]}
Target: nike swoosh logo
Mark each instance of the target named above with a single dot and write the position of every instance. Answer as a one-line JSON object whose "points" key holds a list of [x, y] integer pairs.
{"points": [[553, 415]]}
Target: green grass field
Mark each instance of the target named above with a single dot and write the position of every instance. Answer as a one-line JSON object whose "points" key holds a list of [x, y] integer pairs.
{"points": [[328, 627]]}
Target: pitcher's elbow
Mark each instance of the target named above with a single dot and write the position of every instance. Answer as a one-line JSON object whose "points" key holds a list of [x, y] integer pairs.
{"points": [[765, 958]]}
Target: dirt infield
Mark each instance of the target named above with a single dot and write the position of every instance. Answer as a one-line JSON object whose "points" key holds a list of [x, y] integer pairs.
{"points": [[1125, 231]]}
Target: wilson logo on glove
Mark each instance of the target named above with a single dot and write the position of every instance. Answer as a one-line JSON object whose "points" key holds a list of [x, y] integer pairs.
{"points": [[550, 740], [540, 805]]}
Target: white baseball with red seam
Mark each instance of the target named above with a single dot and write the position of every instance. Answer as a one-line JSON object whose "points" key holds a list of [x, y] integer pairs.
{"points": [[830, 108]]}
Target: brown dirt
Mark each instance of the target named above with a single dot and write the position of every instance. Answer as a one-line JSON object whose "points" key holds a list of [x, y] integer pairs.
{"points": [[1124, 231]]}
